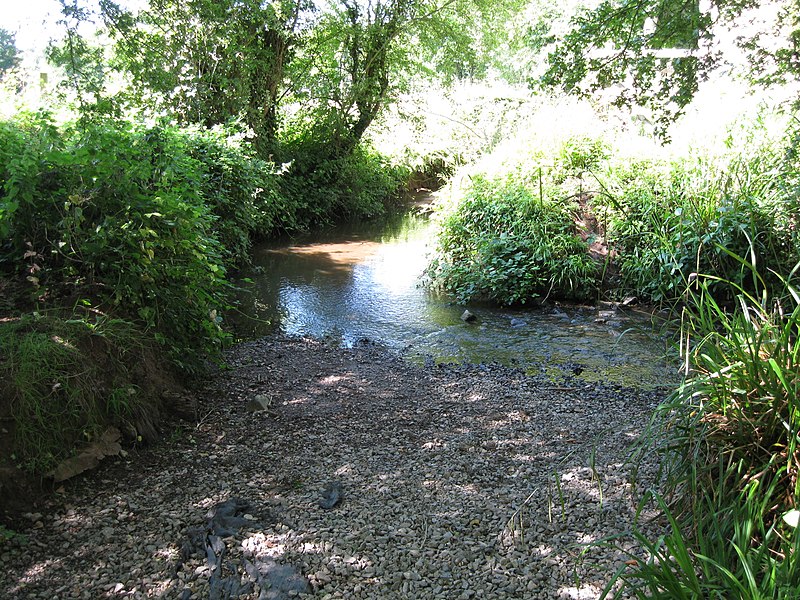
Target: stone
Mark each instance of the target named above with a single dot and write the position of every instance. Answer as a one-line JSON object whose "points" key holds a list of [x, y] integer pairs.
{"points": [[468, 317], [260, 403], [331, 496]]}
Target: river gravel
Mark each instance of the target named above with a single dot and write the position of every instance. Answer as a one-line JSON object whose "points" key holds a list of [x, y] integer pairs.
{"points": [[456, 482]]}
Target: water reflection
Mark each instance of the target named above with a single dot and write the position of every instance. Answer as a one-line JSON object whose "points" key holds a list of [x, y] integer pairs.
{"points": [[363, 282]]}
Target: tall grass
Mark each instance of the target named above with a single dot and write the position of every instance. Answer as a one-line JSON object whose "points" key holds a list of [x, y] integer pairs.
{"points": [[668, 219], [66, 379], [729, 442]]}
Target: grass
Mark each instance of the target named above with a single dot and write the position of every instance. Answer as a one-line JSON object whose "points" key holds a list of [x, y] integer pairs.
{"points": [[66, 379], [728, 444]]}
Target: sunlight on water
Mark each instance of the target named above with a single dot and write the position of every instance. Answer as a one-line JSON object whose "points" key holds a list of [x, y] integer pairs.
{"points": [[362, 283]]}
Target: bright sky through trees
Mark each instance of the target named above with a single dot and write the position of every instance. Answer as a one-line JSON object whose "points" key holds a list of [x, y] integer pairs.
{"points": [[32, 21]]}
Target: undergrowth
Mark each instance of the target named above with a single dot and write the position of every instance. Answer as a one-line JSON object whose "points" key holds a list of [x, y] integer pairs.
{"points": [[512, 233], [506, 243], [120, 235], [728, 442], [67, 379], [669, 219]]}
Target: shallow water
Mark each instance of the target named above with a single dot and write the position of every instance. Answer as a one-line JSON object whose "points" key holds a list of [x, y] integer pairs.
{"points": [[363, 282]]}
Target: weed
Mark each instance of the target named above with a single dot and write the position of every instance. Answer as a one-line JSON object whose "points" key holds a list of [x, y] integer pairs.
{"points": [[728, 444], [67, 380], [6, 535]]}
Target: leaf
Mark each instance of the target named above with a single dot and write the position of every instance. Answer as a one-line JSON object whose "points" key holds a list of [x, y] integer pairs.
{"points": [[90, 457], [792, 518]]}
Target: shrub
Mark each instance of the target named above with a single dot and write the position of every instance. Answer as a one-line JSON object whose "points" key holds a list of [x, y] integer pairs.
{"points": [[321, 186], [728, 443], [506, 244], [116, 213], [668, 220]]}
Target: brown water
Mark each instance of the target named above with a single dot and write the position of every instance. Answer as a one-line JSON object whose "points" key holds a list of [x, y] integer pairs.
{"points": [[363, 283]]}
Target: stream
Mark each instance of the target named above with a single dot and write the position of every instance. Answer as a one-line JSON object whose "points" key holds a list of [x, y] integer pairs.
{"points": [[362, 282]]}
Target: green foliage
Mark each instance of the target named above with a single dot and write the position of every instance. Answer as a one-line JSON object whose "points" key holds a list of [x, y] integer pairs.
{"points": [[84, 66], [728, 445], [7, 535], [320, 187], [125, 215], [722, 563], [506, 243], [582, 62], [67, 380], [9, 55], [580, 154], [237, 187], [358, 57], [656, 53], [668, 220], [208, 62]]}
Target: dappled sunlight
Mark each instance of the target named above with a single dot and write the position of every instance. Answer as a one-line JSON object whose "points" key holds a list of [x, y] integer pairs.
{"points": [[62, 342], [347, 469], [448, 485], [33, 573], [333, 379], [346, 253], [584, 592]]}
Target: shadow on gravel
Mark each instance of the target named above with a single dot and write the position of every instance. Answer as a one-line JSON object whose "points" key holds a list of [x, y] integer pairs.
{"points": [[454, 482]]}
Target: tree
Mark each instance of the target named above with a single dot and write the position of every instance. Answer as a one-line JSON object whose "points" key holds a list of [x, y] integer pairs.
{"points": [[361, 53], [655, 53], [9, 55], [83, 63], [209, 61], [336, 63]]}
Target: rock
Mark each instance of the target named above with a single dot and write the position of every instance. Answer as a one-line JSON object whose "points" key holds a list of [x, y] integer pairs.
{"points": [[278, 581], [518, 323], [331, 496], [468, 317], [260, 403]]}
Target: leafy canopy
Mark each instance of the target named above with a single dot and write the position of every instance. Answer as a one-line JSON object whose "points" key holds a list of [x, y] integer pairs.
{"points": [[9, 55], [655, 53]]}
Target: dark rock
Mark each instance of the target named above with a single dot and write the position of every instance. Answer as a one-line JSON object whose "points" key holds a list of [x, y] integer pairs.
{"points": [[331, 496], [281, 579], [468, 317]]}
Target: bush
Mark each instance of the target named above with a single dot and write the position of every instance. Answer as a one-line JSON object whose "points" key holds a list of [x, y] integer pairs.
{"points": [[668, 220], [321, 186], [118, 213], [506, 244]]}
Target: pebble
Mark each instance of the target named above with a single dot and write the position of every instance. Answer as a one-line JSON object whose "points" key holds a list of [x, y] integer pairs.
{"points": [[447, 476]]}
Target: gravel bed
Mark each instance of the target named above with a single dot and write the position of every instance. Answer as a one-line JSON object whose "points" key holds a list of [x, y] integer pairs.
{"points": [[456, 482]]}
